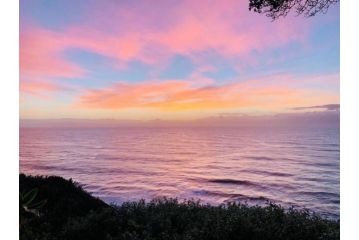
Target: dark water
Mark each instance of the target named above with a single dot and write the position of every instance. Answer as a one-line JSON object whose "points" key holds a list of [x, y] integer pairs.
{"points": [[216, 165]]}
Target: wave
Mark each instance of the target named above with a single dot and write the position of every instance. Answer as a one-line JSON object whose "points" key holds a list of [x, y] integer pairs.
{"points": [[231, 196], [276, 174], [259, 158], [233, 181], [246, 183], [324, 195], [335, 164], [327, 150]]}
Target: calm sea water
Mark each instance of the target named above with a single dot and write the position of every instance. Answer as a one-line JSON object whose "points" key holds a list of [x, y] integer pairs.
{"points": [[216, 165]]}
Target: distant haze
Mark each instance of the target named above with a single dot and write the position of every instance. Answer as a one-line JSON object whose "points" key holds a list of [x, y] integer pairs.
{"points": [[306, 119]]}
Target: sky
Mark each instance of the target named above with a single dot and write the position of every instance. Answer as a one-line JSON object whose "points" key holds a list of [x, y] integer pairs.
{"points": [[164, 59]]}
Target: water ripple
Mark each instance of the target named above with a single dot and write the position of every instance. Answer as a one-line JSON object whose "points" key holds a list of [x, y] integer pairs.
{"points": [[218, 165]]}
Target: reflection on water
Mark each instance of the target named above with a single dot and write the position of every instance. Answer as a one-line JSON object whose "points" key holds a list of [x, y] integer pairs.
{"points": [[216, 165]]}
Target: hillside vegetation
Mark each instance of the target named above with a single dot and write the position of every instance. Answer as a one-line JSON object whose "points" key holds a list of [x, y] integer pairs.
{"points": [[72, 213]]}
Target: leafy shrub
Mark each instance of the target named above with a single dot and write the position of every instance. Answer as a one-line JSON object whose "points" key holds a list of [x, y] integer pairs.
{"points": [[72, 213]]}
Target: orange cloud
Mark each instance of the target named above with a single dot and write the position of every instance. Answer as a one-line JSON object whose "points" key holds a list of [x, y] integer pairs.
{"points": [[172, 96]]}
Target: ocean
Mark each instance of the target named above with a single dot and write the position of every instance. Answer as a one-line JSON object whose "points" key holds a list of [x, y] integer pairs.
{"points": [[291, 167]]}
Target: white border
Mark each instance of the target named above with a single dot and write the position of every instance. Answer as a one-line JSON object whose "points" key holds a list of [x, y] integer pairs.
{"points": [[349, 125], [9, 106]]}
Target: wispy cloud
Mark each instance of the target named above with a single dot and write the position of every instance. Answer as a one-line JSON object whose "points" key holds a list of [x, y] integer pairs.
{"points": [[328, 107], [141, 36], [42, 89], [182, 95]]}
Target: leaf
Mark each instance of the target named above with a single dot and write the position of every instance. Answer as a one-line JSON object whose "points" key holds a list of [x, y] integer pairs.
{"points": [[33, 211], [30, 196], [38, 204]]}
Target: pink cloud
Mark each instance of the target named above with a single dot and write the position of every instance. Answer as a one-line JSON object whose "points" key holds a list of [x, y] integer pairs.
{"points": [[40, 55], [42, 89], [137, 33]]}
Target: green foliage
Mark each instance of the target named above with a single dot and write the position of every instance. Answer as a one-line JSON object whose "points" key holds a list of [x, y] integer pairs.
{"points": [[28, 204], [163, 218]]}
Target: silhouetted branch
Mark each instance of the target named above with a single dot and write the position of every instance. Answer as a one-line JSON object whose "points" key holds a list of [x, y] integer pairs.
{"points": [[280, 8]]}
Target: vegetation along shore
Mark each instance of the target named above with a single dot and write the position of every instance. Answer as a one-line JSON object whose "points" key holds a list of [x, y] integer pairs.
{"points": [[55, 208]]}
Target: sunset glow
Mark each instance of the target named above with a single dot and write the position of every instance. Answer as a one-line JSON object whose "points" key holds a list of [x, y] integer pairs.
{"points": [[172, 59]]}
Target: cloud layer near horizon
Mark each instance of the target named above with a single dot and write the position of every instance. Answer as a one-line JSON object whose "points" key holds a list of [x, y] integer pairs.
{"points": [[182, 95]]}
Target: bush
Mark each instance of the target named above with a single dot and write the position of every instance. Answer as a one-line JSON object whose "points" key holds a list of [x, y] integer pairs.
{"points": [[72, 213]]}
